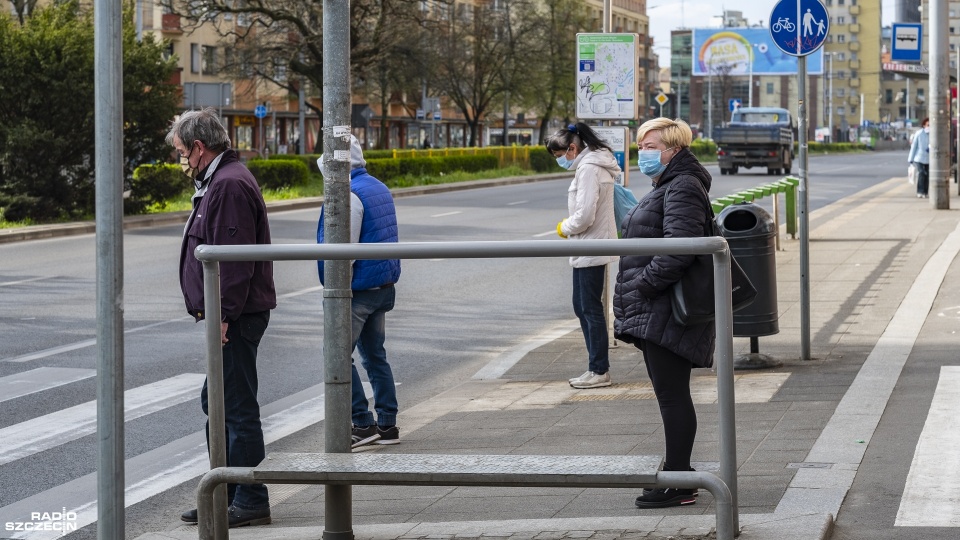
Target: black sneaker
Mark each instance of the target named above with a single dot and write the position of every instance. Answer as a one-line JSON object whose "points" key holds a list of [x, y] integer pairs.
{"points": [[666, 497], [363, 436], [388, 435], [239, 517]]}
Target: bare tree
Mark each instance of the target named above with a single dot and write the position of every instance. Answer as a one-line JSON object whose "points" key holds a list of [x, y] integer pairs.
{"points": [[468, 57]]}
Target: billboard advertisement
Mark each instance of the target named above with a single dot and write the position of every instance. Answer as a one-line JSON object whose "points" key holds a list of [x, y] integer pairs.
{"points": [[727, 51]]}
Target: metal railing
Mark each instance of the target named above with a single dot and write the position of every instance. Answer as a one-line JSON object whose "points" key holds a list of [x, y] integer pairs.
{"points": [[211, 256]]}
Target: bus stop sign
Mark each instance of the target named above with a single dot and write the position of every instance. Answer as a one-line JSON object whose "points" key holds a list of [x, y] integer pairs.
{"points": [[799, 27]]}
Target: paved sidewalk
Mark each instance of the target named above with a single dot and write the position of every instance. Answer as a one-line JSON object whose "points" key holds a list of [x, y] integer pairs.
{"points": [[802, 428]]}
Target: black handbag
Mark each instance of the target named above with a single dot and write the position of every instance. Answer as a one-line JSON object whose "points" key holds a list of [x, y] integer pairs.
{"points": [[692, 298]]}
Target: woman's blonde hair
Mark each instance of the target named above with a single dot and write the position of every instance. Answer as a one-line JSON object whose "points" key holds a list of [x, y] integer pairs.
{"points": [[673, 133]]}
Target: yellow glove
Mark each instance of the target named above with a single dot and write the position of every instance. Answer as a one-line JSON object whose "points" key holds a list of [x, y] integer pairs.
{"points": [[560, 229]]}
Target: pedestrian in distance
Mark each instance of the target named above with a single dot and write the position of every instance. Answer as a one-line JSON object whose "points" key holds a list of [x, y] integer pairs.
{"points": [[591, 216], [373, 219], [919, 157], [228, 209], [677, 207]]}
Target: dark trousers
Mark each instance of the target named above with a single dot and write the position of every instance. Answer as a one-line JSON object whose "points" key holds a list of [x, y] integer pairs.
{"points": [[588, 305], [923, 177], [241, 410], [670, 375]]}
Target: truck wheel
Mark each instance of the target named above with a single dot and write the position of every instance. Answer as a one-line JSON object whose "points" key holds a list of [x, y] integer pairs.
{"points": [[733, 170], [773, 171], [723, 172]]}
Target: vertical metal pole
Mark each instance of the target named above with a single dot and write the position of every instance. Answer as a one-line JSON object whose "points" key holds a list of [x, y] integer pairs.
{"points": [[108, 108], [909, 116], [750, 82], [830, 98], [803, 199], [723, 305], [302, 115], [937, 107], [337, 296], [216, 416], [956, 155], [710, 100]]}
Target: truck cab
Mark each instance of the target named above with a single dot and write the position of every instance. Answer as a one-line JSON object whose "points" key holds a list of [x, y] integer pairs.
{"points": [[756, 137]]}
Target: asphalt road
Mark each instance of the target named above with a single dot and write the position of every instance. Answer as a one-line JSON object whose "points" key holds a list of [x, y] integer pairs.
{"points": [[452, 317]]}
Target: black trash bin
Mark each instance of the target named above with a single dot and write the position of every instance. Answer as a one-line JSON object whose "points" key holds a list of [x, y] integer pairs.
{"points": [[752, 233]]}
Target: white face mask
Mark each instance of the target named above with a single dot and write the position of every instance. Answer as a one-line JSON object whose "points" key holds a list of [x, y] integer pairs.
{"points": [[926, 129]]}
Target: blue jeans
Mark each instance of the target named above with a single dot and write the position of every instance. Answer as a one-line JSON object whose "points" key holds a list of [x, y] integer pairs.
{"points": [[241, 410], [588, 305], [369, 309]]}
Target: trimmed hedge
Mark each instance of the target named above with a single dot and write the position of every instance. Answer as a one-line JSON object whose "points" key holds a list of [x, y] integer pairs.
{"points": [[704, 148], [279, 173], [388, 168], [310, 160], [154, 184]]}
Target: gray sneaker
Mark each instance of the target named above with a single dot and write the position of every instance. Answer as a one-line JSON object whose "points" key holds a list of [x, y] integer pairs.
{"points": [[584, 376], [591, 380], [364, 435]]}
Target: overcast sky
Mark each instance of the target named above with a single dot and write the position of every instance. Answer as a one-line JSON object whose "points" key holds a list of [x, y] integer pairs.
{"points": [[667, 15]]}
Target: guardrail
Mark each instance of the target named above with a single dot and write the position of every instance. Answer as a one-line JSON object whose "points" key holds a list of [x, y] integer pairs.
{"points": [[211, 256], [787, 186]]}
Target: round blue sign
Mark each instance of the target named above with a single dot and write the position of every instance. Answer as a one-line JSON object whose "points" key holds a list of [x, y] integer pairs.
{"points": [[799, 27], [260, 111]]}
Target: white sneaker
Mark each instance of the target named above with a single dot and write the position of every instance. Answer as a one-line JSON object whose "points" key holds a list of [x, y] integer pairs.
{"points": [[592, 380], [584, 376]]}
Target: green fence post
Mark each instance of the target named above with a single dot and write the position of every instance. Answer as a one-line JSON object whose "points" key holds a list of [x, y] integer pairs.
{"points": [[791, 204]]}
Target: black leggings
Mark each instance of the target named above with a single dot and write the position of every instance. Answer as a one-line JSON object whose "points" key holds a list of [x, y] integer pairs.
{"points": [[670, 375]]}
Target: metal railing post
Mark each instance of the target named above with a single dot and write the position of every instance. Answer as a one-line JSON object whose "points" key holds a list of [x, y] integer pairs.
{"points": [[724, 364], [216, 417]]}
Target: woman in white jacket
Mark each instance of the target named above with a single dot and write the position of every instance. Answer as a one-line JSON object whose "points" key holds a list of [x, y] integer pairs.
{"points": [[590, 205]]}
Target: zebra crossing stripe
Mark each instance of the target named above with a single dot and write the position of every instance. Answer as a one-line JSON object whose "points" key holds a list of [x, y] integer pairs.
{"points": [[40, 379], [165, 467], [51, 430], [935, 471]]}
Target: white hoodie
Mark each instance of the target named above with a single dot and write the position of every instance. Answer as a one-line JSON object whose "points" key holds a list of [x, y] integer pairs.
{"points": [[590, 203]]}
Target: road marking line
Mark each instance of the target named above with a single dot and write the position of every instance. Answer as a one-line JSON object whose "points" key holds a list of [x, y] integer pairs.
{"points": [[40, 379], [45, 432], [165, 467], [9, 283], [448, 213], [82, 344], [499, 365], [516, 202], [935, 471], [548, 233]]}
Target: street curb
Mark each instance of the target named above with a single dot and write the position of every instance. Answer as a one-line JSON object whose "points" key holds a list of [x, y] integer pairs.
{"points": [[38, 232]]}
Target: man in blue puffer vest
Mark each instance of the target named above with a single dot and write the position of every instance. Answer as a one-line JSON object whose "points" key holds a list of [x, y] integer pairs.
{"points": [[373, 218]]}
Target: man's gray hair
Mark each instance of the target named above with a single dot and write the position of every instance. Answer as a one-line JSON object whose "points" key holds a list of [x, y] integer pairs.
{"points": [[202, 125]]}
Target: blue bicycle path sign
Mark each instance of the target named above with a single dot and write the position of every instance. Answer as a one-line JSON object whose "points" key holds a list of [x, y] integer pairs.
{"points": [[799, 27], [260, 111]]}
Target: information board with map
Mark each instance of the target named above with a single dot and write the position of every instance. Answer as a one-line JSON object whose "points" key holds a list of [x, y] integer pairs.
{"points": [[607, 84]]}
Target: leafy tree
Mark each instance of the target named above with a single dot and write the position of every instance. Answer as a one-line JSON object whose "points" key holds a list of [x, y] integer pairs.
{"points": [[47, 110]]}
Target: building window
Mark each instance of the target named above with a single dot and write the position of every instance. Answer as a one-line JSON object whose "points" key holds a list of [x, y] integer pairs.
{"points": [[841, 111], [841, 38], [841, 20], [840, 2], [841, 56], [888, 97], [194, 58], [209, 64], [853, 74], [841, 92], [769, 87], [841, 74]]}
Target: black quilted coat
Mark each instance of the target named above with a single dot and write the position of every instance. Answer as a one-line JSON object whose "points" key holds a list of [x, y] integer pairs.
{"points": [[676, 208]]}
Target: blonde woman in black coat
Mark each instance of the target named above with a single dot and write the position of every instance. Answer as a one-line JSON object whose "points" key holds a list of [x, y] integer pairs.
{"points": [[677, 207]]}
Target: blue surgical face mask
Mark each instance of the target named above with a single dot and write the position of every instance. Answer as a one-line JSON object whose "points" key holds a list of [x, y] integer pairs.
{"points": [[564, 162], [649, 162]]}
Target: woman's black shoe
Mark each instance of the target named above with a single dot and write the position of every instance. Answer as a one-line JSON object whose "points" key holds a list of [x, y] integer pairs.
{"points": [[666, 497]]}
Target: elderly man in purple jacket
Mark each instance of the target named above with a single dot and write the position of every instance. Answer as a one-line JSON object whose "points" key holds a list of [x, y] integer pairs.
{"points": [[228, 209]]}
